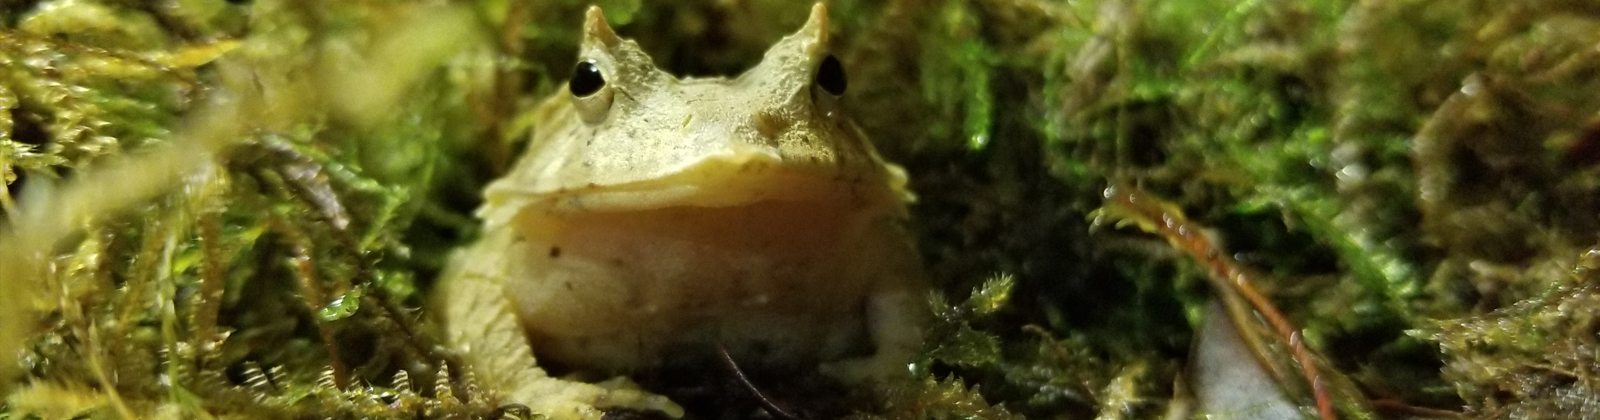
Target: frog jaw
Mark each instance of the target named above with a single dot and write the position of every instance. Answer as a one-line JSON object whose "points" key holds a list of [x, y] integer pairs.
{"points": [[719, 182]]}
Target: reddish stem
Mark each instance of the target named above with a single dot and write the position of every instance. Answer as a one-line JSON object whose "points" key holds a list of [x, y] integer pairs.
{"points": [[1157, 216]]}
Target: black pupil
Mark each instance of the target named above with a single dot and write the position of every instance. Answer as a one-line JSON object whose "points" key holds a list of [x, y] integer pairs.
{"points": [[830, 76], [586, 80]]}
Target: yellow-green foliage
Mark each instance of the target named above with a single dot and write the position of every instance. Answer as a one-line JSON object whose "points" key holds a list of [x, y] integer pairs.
{"points": [[224, 237], [1534, 358], [939, 399]]}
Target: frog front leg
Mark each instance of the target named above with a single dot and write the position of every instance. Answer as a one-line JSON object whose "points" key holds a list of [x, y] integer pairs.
{"points": [[895, 322], [896, 310], [479, 321]]}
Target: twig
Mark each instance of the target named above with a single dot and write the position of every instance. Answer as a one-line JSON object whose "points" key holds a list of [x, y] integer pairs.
{"points": [[765, 402], [315, 298], [1157, 216], [212, 271]]}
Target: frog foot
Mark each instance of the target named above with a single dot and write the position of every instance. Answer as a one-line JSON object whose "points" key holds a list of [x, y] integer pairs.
{"points": [[562, 399], [895, 324]]}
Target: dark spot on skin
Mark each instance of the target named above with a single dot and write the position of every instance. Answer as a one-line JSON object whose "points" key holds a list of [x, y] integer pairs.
{"points": [[568, 284], [754, 167], [555, 252], [626, 95]]}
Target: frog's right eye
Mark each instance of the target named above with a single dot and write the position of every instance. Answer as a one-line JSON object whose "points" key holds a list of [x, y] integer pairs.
{"points": [[586, 80], [830, 76], [589, 92]]}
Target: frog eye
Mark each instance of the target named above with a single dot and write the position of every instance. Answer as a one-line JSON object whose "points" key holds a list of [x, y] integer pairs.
{"points": [[589, 92], [586, 80], [830, 76]]}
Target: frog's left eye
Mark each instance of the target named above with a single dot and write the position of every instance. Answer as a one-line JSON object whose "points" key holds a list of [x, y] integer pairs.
{"points": [[589, 92], [830, 76], [586, 80]]}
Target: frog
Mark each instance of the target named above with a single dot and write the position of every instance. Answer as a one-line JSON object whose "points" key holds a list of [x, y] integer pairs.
{"points": [[657, 221]]}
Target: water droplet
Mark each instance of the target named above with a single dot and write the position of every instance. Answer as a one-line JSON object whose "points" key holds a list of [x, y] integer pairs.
{"points": [[342, 307], [978, 142]]}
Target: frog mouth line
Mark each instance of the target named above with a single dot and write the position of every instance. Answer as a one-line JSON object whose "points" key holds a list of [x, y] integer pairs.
{"points": [[729, 189]]}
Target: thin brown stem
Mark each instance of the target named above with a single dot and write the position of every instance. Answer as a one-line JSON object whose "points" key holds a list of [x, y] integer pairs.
{"points": [[739, 374], [212, 271], [1157, 216], [315, 298]]}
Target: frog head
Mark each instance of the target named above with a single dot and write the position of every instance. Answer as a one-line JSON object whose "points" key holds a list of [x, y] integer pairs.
{"points": [[623, 135]]}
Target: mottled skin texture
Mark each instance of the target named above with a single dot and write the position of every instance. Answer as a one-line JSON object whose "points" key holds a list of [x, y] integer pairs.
{"points": [[656, 219]]}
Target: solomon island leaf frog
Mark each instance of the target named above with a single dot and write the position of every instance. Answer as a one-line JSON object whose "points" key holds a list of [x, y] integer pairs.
{"points": [[653, 220]]}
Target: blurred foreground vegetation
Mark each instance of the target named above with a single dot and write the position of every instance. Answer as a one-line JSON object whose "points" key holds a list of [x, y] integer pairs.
{"points": [[234, 209]]}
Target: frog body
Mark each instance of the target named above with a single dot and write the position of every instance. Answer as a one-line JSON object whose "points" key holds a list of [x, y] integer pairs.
{"points": [[655, 221]]}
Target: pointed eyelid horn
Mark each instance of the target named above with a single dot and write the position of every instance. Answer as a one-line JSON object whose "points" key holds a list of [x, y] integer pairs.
{"points": [[817, 26], [804, 48], [596, 30]]}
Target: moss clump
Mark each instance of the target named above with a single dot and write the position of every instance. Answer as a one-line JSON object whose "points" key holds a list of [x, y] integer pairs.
{"points": [[224, 238]]}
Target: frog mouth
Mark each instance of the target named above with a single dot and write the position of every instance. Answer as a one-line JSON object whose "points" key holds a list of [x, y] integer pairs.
{"points": [[731, 180], [730, 184]]}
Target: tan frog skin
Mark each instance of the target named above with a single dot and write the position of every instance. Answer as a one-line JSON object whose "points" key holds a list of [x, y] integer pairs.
{"points": [[654, 219]]}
